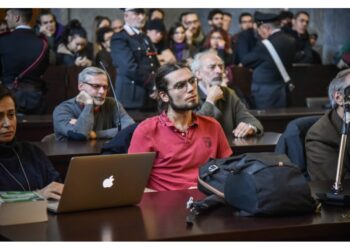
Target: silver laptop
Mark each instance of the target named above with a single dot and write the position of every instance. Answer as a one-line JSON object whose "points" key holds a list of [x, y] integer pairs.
{"points": [[103, 181]]}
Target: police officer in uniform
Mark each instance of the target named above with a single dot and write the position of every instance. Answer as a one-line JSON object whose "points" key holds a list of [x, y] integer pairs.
{"points": [[23, 61], [268, 87], [136, 61]]}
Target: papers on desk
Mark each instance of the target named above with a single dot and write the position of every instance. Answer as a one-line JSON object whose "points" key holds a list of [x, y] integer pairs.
{"points": [[21, 207]]}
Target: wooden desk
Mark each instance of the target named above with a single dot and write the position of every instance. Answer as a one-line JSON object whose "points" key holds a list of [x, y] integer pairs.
{"points": [[161, 216], [265, 143], [60, 153], [277, 119], [33, 127]]}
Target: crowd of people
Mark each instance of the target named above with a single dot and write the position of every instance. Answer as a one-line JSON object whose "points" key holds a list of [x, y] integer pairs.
{"points": [[183, 72]]}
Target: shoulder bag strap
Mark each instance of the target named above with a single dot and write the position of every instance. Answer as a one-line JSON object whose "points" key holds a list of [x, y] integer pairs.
{"points": [[35, 63]]}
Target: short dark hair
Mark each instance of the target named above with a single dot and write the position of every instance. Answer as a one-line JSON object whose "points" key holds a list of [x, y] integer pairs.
{"points": [[100, 33], [150, 12], [25, 14], [227, 14], [213, 12], [73, 28], [162, 83], [243, 15], [5, 92], [302, 12]]}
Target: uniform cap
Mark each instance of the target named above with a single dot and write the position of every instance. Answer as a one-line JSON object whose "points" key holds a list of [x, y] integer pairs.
{"points": [[261, 17]]}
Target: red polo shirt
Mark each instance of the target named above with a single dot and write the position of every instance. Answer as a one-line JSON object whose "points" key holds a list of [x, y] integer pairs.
{"points": [[179, 154]]}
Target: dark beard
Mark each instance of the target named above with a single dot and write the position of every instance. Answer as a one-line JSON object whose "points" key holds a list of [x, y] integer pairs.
{"points": [[182, 108]]}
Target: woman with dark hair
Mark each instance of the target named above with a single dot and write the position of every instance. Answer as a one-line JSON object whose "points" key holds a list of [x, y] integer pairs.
{"points": [[73, 49], [218, 40], [177, 43], [99, 22], [103, 39], [23, 166]]}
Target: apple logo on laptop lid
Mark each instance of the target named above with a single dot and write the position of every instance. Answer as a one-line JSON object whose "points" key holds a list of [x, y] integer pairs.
{"points": [[108, 182]]}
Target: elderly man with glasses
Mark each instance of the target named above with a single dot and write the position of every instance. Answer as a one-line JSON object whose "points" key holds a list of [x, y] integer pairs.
{"points": [[91, 114], [182, 140], [221, 102]]}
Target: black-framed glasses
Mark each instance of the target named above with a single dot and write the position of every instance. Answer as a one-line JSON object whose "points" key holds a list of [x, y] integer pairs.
{"points": [[97, 86], [183, 85]]}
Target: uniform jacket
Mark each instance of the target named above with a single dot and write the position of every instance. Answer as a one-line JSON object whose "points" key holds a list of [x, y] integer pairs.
{"points": [[322, 148], [18, 50], [135, 59], [229, 112], [268, 87]]}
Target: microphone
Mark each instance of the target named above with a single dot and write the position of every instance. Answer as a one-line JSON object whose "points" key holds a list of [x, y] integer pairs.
{"points": [[119, 124]]}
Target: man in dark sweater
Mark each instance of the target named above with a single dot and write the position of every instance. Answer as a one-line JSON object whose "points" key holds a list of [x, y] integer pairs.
{"points": [[90, 115]]}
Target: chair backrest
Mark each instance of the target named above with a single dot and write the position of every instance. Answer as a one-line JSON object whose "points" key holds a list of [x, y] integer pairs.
{"points": [[317, 102], [49, 138], [292, 141]]}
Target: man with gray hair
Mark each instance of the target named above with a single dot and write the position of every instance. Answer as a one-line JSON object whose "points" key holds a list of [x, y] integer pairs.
{"points": [[221, 102], [91, 114], [323, 139]]}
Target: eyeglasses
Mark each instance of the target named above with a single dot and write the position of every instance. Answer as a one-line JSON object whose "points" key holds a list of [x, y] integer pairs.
{"points": [[183, 85], [97, 86]]}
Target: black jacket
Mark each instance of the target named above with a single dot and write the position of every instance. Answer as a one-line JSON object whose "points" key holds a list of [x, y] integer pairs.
{"points": [[265, 69], [37, 167], [18, 50], [135, 58]]}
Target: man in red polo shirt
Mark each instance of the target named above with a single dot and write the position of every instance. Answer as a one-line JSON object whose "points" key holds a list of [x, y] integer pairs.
{"points": [[182, 140]]}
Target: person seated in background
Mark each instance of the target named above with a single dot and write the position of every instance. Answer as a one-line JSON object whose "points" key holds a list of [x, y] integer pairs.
{"points": [[182, 140], [194, 34], [300, 23], [322, 141], [177, 43], [90, 115], [117, 25], [156, 14], [52, 30], [226, 21], [156, 32], [3, 27], [215, 19], [218, 40], [219, 102], [316, 57], [104, 36], [73, 49], [246, 39], [23, 166], [99, 22]]}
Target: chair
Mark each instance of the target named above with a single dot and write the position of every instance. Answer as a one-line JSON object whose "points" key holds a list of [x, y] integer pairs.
{"points": [[317, 102], [292, 141], [49, 138]]}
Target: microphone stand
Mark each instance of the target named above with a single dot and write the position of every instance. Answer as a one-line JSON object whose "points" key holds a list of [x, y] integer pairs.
{"points": [[336, 196], [119, 124]]}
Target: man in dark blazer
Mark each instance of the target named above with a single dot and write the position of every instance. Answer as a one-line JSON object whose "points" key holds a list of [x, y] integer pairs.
{"points": [[136, 61], [268, 87], [23, 51]]}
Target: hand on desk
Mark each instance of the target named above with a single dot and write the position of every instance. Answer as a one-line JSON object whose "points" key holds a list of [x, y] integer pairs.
{"points": [[244, 129], [52, 191]]}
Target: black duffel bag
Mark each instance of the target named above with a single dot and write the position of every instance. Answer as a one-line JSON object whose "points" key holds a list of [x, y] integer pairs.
{"points": [[258, 184]]}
